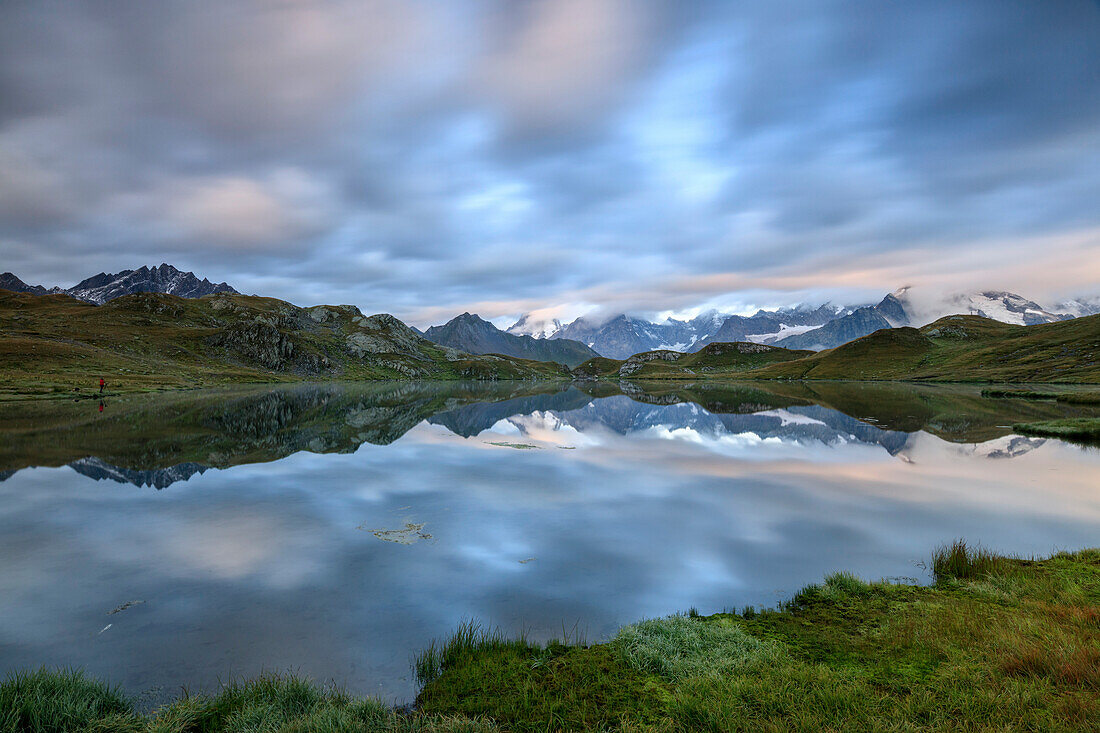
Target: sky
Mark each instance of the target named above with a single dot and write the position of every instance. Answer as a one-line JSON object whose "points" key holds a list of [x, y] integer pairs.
{"points": [[426, 158]]}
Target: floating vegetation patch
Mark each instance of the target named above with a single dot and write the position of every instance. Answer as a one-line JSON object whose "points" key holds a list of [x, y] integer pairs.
{"points": [[124, 606], [530, 559], [517, 446], [410, 534]]}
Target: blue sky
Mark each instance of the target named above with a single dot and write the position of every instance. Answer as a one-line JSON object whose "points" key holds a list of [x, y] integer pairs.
{"points": [[429, 158]]}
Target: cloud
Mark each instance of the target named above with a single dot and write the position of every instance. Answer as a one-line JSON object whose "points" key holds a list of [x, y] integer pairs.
{"points": [[429, 158], [243, 212]]}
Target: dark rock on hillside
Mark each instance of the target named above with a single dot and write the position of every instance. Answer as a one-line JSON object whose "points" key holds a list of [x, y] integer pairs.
{"points": [[475, 335]]}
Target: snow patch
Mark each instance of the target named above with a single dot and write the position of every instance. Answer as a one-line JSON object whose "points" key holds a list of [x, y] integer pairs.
{"points": [[783, 332]]}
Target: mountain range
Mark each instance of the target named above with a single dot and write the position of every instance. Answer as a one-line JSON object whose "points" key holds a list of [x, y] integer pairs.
{"points": [[954, 348], [802, 327], [531, 337], [105, 287], [475, 335]]}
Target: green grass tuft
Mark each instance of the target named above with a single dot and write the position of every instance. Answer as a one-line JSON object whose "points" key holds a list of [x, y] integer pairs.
{"points": [[468, 639], [960, 561], [48, 701], [680, 646]]}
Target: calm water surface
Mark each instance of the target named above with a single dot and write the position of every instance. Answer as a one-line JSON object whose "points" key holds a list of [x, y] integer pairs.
{"points": [[335, 530]]}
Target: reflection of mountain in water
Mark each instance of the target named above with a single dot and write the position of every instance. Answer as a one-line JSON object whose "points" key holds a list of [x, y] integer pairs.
{"points": [[1010, 446], [159, 478], [157, 441], [470, 420], [798, 424]]}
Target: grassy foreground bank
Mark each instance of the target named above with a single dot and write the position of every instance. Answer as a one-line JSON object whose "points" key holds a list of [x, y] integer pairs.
{"points": [[994, 644]]}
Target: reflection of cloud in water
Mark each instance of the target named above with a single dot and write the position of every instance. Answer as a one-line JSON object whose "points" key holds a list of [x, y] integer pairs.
{"points": [[262, 567]]}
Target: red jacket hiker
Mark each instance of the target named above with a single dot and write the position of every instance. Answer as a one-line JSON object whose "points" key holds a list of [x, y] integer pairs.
{"points": [[102, 384]]}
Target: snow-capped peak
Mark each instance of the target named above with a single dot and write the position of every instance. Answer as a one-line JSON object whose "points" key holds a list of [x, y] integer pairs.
{"points": [[530, 325]]}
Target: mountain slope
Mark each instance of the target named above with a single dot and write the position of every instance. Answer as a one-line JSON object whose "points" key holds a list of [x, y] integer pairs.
{"points": [[960, 348], [475, 335], [860, 322], [770, 327], [8, 281], [54, 342]]}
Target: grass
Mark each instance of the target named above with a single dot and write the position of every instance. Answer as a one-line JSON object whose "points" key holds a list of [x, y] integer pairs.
{"points": [[52, 345], [679, 647], [995, 643], [67, 702], [1085, 429], [959, 561], [960, 349], [992, 644], [713, 360], [1019, 394], [55, 702]]}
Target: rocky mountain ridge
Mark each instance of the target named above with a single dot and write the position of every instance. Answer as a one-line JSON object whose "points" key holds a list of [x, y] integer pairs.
{"points": [[104, 287]]}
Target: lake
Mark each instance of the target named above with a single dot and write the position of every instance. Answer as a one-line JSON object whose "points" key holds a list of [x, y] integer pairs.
{"points": [[189, 538]]}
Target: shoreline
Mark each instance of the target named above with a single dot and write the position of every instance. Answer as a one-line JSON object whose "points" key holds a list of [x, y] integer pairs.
{"points": [[76, 393], [992, 643]]}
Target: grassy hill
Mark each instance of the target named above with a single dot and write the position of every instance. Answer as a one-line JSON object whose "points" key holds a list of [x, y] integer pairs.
{"points": [[713, 360], [52, 344], [960, 348], [953, 349]]}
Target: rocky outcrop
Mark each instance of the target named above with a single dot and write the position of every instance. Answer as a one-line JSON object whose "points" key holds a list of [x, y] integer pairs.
{"points": [[257, 342], [637, 361]]}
